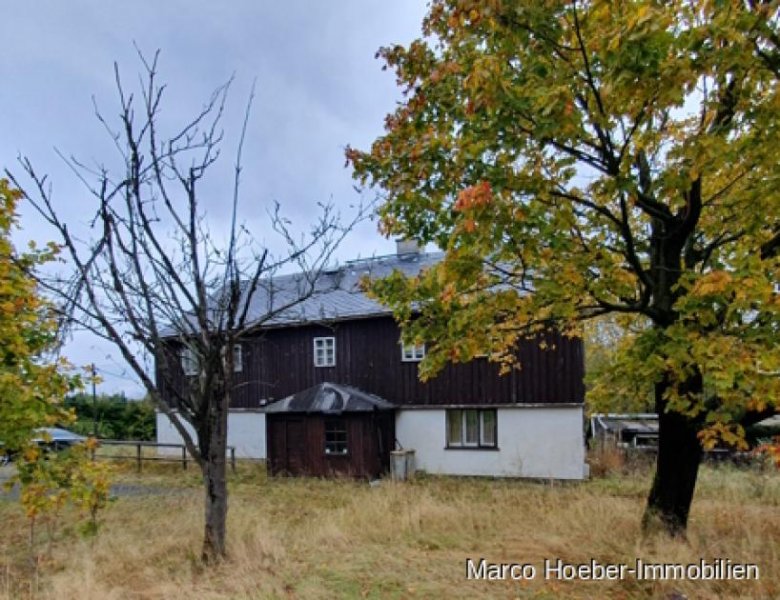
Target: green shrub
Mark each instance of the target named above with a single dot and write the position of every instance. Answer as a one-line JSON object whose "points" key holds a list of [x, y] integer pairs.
{"points": [[113, 417]]}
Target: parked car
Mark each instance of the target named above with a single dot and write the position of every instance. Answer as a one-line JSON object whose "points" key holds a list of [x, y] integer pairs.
{"points": [[50, 439], [56, 438]]}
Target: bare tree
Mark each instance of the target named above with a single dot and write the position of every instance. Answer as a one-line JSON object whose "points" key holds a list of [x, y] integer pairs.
{"points": [[152, 280]]}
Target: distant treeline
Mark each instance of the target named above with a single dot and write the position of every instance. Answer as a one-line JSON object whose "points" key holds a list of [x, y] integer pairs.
{"points": [[112, 417]]}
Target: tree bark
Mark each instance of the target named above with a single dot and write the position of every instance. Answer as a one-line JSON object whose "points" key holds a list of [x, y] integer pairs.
{"points": [[677, 466], [214, 468], [215, 485]]}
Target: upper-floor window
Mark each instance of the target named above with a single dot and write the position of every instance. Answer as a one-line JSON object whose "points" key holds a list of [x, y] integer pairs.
{"points": [[324, 351], [189, 361], [471, 428], [412, 352], [238, 358]]}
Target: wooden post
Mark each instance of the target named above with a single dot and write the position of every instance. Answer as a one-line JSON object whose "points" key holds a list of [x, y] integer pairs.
{"points": [[138, 455], [233, 458], [184, 458]]}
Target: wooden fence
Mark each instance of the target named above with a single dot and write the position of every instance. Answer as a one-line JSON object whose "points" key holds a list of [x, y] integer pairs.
{"points": [[138, 456]]}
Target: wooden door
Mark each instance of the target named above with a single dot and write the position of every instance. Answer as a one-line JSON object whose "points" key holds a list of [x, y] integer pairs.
{"points": [[277, 447], [295, 450]]}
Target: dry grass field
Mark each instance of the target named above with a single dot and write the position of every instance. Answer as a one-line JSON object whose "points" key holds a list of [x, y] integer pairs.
{"points": [[298, 538]]}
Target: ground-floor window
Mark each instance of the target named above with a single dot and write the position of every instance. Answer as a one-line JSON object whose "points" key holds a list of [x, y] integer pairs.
{"points": [[471, 428], [335, 436]]}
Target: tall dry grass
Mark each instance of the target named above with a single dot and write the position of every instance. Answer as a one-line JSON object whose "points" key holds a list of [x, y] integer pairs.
{"points": [[303, 538]]}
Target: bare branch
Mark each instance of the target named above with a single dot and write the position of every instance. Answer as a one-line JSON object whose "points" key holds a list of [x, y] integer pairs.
{"points": [[149, 277]]}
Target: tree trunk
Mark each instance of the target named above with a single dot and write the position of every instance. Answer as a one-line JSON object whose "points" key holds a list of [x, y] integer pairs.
{"points": [[677, 467], [215, 484], [214, 470]]}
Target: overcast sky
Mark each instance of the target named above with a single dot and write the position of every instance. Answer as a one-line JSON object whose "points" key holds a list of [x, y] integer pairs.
{"points": [[319, 88]]}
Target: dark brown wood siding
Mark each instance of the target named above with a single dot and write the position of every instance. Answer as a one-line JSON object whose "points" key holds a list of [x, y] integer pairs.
{"points": [[280, 362], [296, 444]]}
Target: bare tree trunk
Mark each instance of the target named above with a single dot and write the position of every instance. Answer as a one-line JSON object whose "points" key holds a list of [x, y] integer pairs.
{"points": [[214, 470], [677, 467], [215, 485]]}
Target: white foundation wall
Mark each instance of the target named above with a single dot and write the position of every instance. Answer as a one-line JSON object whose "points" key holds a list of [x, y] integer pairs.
{"points": [[532, 442], [246, 431]]}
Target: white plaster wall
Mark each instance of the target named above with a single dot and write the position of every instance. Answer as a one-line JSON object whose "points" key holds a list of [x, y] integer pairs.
{"points": [[246, 431], [532, 442]]}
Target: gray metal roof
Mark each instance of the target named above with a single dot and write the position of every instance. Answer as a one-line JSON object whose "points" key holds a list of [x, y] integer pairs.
{"points": [[337, 294], [329, 398], [631, 422]]}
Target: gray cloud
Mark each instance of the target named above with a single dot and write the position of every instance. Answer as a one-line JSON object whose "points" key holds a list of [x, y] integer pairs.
{"points": [[318, 89]]}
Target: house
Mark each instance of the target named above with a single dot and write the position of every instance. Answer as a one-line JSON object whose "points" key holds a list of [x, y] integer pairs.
{"points": [[469, 420]]}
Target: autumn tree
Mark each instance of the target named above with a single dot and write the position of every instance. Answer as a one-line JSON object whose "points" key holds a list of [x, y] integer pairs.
{"points": [[577, 159], [31, 389], [610, 385], [149, 276], [33, 385]]}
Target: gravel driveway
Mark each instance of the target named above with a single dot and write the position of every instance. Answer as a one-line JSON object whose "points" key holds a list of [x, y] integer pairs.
{"points": [[121, 490], [6, 472]]}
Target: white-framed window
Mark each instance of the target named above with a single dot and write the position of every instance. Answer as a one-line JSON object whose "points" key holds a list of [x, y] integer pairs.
{"points": [[412, 352], [336, 437], [189, 361], [471, 428], [238, 358], [324, 351]]}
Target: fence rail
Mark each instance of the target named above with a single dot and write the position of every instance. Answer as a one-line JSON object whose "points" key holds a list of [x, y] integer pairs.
{"points": [[139, 457]]}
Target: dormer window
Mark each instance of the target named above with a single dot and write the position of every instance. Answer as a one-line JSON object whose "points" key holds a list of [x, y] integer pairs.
{"points": [[325, 352], [412, 352]]}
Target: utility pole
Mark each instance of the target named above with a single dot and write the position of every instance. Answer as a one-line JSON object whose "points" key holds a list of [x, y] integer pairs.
{"points": [[94, 404]]}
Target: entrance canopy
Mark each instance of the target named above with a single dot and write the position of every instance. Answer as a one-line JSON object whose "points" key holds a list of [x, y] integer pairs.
{"points": [[329, 398]]}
